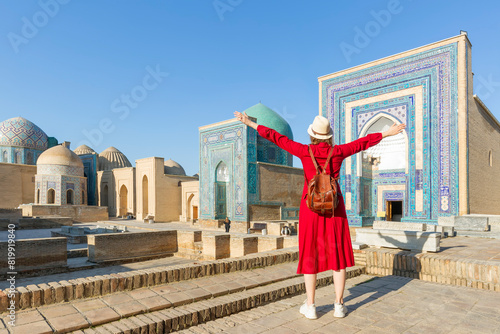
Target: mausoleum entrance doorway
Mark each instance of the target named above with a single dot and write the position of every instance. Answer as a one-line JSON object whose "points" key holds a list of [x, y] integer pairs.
{"points": [[394, 211], [123, 201], [221, 182], [195, 212], [382, 173], [69, 196], [104, 196], [51, 196], [145, 195]]}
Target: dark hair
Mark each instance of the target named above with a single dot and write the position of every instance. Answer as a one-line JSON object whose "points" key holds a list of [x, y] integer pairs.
{"points": [[315, 141]]}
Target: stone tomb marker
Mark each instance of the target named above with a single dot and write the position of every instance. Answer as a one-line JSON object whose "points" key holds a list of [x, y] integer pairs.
{"points": [[410, 240], [400, 226], [243, 245], [216, 246]]}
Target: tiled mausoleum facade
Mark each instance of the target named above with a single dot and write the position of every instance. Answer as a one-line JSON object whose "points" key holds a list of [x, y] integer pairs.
{"points": [[236, 166], [424, 171]]}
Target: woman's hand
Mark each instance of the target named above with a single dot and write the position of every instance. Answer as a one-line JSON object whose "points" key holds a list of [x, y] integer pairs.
{"points": [[243, 118], [394, 130]]}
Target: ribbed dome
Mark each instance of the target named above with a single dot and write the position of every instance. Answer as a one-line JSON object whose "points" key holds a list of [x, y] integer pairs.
{"points": [[173, 168], [20, 132], [61, 156], [83, 149], [112, 158], [268, 117]]}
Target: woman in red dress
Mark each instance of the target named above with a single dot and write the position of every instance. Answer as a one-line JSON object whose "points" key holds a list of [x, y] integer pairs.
{"points": [[324, 242]]}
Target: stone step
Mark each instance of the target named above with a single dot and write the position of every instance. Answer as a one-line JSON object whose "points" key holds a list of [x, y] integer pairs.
{"points": [[36, 295], [283, 316], [359, 258], [175, 318], [65, 317], [450, 269]]}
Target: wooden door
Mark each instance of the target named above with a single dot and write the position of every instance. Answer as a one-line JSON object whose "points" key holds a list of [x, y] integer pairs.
{"points": [[388, 210]]}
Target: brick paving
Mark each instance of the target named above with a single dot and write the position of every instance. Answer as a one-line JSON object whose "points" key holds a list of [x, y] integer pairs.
{"points": [[471, 248], [125, 267], [387, 304], [89, 312]]}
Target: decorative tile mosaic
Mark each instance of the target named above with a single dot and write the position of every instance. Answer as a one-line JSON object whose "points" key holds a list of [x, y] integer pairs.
{"points": [[435, 71], [226, 144], [13, 154], [20, 132], [59, 170]]}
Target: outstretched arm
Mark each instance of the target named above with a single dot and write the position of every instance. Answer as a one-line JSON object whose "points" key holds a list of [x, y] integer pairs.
{"points": [[368, 141], [394, 130], [243, 118], [280, 140]]}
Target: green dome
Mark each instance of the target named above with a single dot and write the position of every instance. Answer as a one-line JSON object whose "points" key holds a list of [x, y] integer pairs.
{"points": [[268, 117]]}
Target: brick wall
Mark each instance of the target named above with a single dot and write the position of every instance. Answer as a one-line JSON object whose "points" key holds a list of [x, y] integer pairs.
{"points": [[107, 247], [18, 186], [428, 267], [283, 184], [35, 254], [79, 213], [11, 214], [264, 212], [484, 180]]}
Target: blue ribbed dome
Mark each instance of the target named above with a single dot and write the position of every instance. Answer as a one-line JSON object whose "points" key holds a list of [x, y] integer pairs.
{"points": [[20, 132], [268, 117]]}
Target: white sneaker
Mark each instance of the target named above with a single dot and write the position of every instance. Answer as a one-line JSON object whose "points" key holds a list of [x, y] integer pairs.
{"points": [[309, 311], [340, 310]]}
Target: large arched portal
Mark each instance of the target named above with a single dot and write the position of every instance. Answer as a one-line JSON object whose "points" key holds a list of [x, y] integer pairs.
{"points": [[145, 197], [123, 201], [383, 173], [221, 184], [391, 151]]}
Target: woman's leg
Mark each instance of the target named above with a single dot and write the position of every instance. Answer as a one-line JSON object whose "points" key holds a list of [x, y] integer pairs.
{"points": [[310, 280], [339, 282]]}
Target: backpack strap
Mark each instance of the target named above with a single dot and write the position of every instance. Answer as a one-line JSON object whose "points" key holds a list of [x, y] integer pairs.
{"points": [[314, 160], [328, 160], [318, 171]]}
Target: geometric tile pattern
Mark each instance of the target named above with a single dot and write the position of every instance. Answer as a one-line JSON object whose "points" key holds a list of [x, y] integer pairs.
{"points": [[90, 170], [435, 70], [20, 132], [227, 144], [240, 148], [61, 184], [19, 155], [59, 170]]}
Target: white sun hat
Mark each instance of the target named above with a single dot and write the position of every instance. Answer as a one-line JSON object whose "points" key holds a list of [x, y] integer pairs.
{"points": [[320, 128]]}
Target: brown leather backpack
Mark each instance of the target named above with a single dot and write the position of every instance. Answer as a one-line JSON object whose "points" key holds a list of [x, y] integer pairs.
{"points": [[322, 189]]}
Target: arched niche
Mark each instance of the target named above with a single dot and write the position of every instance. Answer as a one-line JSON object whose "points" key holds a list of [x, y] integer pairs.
{"points": [[392, 152]]}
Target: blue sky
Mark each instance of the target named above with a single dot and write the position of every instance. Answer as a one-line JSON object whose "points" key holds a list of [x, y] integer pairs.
{"points": [[73, 71]]}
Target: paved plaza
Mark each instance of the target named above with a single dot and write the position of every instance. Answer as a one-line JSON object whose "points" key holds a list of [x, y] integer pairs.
{"points": [[387, 304], [376, 305], [263, 299]]}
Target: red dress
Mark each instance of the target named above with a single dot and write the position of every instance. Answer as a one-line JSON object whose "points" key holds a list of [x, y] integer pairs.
{"points": [[324, 242]]}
